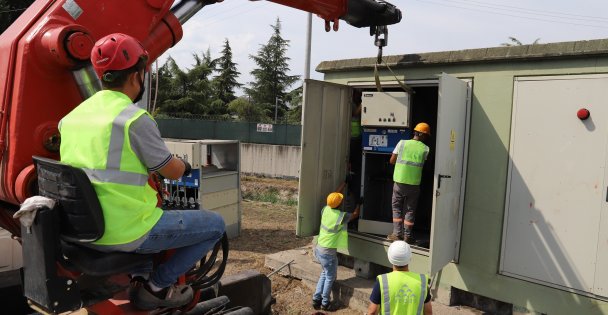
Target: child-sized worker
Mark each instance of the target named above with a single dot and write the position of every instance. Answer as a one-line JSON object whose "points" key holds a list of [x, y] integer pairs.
{"points": [[332, 236]]}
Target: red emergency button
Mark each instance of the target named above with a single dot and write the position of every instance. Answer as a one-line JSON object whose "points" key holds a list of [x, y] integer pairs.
{"points": [[583, 114]]}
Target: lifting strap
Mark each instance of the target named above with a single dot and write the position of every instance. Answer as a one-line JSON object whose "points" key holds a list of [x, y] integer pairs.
{"points": [[404, 86]]}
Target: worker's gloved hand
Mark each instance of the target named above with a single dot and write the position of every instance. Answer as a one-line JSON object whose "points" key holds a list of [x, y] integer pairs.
{"points": [[188, 169], [360, 201]]}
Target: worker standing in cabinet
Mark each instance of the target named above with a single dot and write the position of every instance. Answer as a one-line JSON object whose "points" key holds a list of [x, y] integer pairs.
{"points": [[409, 157]]}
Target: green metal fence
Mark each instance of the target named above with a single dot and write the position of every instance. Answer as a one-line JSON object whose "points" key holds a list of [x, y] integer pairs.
{"points": [[229, 130]]}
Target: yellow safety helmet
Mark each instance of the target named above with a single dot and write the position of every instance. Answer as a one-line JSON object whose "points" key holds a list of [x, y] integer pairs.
{"points": [[423, 128], [334, 199]]}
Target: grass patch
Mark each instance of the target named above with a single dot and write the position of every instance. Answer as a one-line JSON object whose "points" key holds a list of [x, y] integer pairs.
{"points": [[271, 195], [268, 197]]}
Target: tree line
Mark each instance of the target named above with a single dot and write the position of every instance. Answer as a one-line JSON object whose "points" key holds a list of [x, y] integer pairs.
{"points": [[208, 87]]}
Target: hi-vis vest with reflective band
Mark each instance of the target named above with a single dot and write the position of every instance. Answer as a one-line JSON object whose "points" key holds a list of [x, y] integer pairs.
{"points": [[408, 168], [402, 292], [355, 127], [332, 233], [95, 138]]}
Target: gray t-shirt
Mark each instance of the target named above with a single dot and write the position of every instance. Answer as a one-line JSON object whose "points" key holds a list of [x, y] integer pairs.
{"points": [[150, 148], [147, 143]]}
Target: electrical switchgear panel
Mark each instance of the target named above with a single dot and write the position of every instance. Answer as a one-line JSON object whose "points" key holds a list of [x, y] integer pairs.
{"points": [[214, 183], [383, 140], [385, 109]]}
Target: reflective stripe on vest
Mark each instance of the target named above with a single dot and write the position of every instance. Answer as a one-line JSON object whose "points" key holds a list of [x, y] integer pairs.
{"points": [[422, 293], [337, 227], [95, 138], [386, 303], [112, 173], [410, 159], [333, 233], [117, 137], [402, 304], [116, 177]]}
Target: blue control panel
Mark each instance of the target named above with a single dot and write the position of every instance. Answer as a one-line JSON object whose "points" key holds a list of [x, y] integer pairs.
{"points": [[383, 140], [191, 181]]}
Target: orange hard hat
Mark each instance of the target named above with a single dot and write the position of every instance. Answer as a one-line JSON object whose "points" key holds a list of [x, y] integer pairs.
{"points": [[334, 199], [423, 128]]}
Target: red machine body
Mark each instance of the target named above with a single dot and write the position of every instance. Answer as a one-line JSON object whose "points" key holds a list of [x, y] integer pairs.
{"points": [[38, 54], [327, 10]]}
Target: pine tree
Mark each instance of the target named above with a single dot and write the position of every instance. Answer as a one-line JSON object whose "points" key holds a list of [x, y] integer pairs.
{"points": [[186, 92], [270, 77], [175, 91], [226, 80], [294, 98], [200, 77], [247, 111]]}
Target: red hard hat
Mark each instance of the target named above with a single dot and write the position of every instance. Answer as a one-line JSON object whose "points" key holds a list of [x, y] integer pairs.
{"points": [[116, 52]]}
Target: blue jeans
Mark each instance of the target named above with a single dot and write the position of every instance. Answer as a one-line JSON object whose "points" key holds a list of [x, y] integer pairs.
{"points": [[192, 233], [329, 263]]}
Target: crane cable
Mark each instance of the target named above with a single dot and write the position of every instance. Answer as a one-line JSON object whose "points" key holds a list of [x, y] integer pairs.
{"points": [[380, 42]]}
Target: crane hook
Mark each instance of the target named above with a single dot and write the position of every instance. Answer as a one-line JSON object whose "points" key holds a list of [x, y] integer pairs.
{"points": [[380, 33]]}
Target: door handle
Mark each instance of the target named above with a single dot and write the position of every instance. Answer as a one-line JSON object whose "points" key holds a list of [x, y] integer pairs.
{"points": [[439, 179]]}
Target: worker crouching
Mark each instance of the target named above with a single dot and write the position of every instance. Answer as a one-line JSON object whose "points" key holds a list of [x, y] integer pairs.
{"points": [[332, 236], [401, 291]]}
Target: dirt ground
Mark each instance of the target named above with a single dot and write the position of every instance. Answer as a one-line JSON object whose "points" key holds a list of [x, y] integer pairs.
{"points": [[269, 228]]}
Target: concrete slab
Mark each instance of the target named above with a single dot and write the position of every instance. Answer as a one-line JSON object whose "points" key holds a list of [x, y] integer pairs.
{"points": [[350, 290]]}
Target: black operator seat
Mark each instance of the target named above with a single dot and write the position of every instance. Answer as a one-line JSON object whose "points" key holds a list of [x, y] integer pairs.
{"points": [[80, 220]]}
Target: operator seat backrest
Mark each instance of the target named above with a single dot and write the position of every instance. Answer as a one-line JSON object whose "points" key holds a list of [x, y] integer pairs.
{"points": [[80, 214]]}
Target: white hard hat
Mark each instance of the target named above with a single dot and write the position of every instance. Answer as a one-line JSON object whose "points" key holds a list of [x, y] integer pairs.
{"points": [[399, 253]]}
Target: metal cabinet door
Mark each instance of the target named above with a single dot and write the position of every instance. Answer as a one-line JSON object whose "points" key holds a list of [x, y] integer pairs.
{"points": [[555, 224], [451, 135], [325, 138]]}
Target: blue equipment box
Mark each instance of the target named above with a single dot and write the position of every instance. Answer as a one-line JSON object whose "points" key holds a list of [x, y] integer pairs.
{"points": [[383, 140], [191, 181]]}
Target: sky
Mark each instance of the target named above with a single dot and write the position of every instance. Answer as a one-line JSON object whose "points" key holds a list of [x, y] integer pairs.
{"points": [[427, 26]]}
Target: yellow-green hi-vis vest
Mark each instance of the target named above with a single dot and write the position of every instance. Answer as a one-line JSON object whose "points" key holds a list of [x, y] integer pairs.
{"points": [[410, 160], [332, 233], [95, 138], [402, 292], [355, 127]]}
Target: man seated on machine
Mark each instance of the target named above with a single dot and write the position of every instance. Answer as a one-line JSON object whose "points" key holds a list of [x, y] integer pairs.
{"points": [[118, 144]]}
